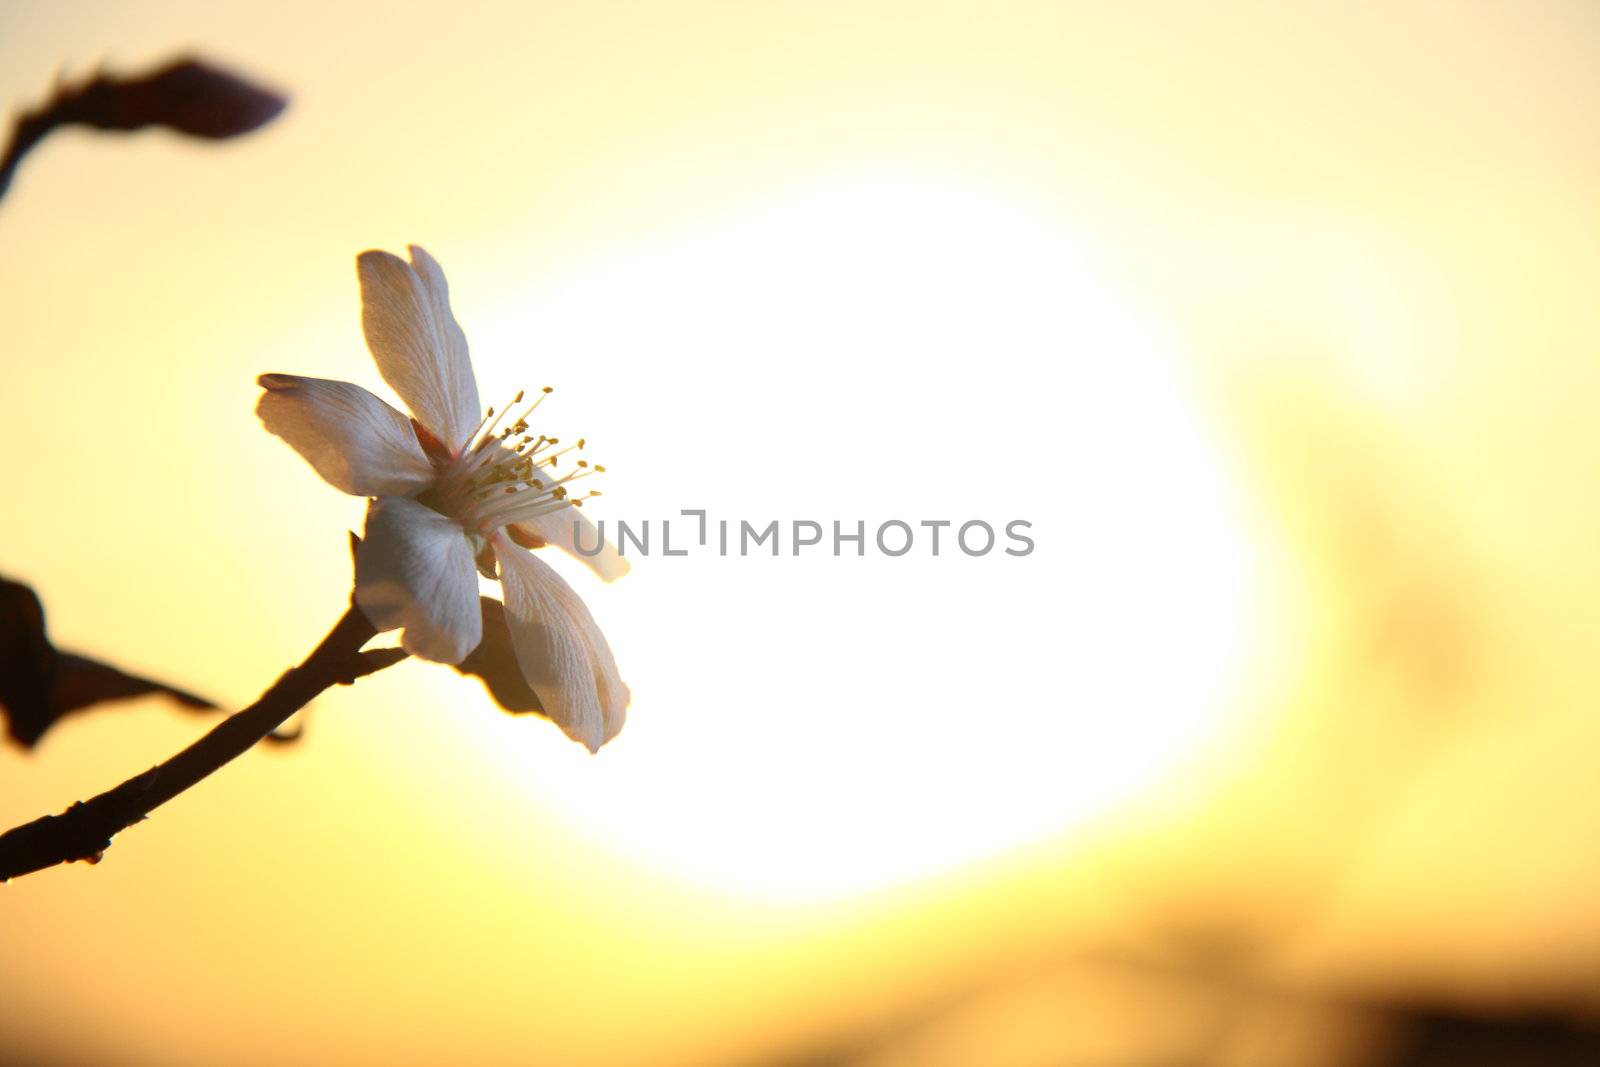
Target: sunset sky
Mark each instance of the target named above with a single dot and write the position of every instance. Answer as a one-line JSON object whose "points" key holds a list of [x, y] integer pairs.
{"points": [[1275, 321]]}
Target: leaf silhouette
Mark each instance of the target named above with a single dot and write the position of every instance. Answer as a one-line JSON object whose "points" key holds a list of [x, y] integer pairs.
{"points": [[494, 662], [39, 683], [187, 95], [27, 663], [82, 682]]}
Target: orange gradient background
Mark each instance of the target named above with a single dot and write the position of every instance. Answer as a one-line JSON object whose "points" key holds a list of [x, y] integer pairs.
{"points": [[1276, 321]]}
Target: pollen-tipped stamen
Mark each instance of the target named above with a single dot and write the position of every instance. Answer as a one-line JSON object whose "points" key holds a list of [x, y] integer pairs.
{"points": [[520, 503], [494, 477]]}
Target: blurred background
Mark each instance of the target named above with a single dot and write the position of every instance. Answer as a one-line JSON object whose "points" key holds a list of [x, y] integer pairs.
{"points": [[1276, 321]]}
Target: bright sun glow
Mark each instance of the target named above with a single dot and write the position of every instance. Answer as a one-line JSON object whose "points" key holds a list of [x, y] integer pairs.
{"points": [[812, 727]]}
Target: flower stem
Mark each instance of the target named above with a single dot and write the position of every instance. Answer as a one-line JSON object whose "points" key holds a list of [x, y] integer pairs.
{"points": [[84, 831]]}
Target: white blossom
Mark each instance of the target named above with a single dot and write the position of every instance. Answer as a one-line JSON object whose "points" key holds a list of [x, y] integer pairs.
{"points": [[455, 492]]}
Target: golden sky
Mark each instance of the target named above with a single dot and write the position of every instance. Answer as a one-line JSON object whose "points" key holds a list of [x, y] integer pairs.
{"points": [[1275, 320]]}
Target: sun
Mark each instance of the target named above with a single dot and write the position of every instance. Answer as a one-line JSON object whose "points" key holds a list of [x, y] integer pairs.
{"points": [[813, 728]]}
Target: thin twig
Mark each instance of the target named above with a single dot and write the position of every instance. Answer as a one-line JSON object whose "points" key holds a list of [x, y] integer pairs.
{"points": [[28, 130], [84, 831]]}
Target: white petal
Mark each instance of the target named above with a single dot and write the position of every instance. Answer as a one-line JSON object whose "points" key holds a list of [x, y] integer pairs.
{"points": [[563, 654], [353, 439], [559, 528], [419, 349], [414, 571]]}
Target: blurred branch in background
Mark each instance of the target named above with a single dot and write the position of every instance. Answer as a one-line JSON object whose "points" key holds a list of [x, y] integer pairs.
{"points": [[1127, 1012], [186, 95], [1243, 906]]}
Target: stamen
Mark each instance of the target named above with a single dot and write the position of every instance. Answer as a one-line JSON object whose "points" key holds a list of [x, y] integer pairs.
{"points": [[493, 480], [526, 502], [476, 429], [551, 458], [494, 420]]}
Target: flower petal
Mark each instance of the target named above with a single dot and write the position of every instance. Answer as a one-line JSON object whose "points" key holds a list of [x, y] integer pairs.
{"points": [[420, 350], [568, 528], [563, 654], [353, 439], [414, 571]]}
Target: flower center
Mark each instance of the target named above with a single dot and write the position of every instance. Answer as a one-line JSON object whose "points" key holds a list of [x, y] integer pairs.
{"points": [[507, 474]]}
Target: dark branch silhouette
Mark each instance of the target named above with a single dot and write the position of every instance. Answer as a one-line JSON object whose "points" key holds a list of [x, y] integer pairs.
{"points": [[84, 831], [186, 95]]}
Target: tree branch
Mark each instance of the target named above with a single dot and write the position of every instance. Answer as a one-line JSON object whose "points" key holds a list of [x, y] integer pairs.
{"points": [[84, 831]]}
